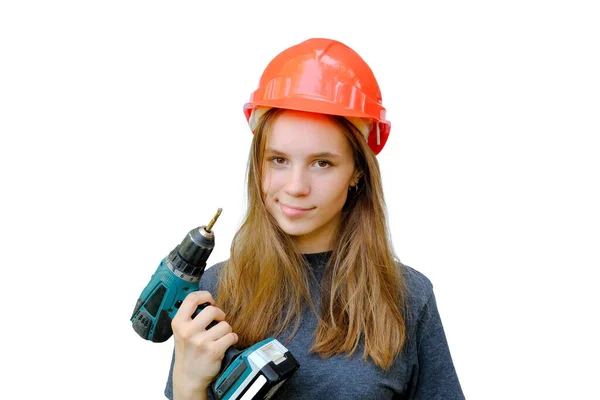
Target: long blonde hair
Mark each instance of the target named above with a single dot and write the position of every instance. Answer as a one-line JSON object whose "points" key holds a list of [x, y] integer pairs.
{"points": [[265, 282]]}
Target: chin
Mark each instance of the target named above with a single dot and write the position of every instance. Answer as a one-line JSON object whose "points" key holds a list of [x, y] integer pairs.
{"points": [[295, 228]]}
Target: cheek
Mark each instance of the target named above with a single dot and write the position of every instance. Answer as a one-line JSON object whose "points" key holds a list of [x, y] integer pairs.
{"points": [[269, 180], [333, 192]]}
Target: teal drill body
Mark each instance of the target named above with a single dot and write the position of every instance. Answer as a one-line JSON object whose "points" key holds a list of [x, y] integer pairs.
{"points": [[159, 302], [254, 373], [177, 276]]}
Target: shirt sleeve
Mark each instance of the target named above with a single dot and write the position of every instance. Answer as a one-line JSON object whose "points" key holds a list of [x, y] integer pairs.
{"points": [[434, 376], [169, 386]]}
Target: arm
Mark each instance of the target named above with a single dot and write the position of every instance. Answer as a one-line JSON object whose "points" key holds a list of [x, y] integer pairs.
{"points": [[175, 378], [198, 349], [172, 393], [201, 395], [434, 375], [179, 391]]}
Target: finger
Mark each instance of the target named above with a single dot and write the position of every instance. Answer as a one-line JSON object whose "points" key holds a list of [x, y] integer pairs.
{"points": [[191, 302], [208, 315], [222, 344], [218, 331]]}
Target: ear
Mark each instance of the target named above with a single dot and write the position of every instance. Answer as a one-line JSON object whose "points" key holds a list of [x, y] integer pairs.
{"points": [[356, 177]]}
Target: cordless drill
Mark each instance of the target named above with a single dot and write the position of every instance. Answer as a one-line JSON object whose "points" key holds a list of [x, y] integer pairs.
{"points": [[254, 373]]}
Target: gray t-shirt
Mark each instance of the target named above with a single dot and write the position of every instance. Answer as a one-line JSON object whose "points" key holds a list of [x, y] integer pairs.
{"points": [[423, 370]]}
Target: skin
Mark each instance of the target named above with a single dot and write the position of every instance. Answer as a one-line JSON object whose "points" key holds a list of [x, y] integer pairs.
{"points": [[298, 173], [198, 352]]}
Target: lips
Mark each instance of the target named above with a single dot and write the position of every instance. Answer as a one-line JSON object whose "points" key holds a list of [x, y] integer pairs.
{"points": [[292, 211], [295, 208]]}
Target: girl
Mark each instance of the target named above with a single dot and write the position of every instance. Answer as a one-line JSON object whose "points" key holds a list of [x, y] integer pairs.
{"points": [[312, 264]]}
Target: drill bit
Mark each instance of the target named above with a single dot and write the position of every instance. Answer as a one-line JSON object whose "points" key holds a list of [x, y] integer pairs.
{"points": [[212, 221]]}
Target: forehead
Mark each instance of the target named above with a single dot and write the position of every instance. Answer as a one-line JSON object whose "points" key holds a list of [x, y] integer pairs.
{"points": [[301, 133]]}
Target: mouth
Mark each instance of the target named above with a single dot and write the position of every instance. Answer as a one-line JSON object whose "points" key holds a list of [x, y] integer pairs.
{"points": [[292, 211]]}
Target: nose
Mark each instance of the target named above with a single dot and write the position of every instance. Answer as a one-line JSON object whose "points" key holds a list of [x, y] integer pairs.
{"points": [[298, 182]]}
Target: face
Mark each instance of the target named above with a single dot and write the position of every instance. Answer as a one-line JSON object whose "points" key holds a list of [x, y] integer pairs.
{"points": [[308, 168]]}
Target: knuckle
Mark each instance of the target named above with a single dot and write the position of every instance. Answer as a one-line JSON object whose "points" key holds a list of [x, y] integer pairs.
{"points": [[203, 294], [215, 353], [184, 333], [175, 325], [208, 310], [195, 297], [226, 326], [198, 342], [213, 311]]}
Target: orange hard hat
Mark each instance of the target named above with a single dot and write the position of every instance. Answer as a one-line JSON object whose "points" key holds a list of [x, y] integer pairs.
{"points": [[324, 76]]}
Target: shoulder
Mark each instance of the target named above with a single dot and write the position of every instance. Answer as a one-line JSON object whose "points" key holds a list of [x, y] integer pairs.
{"points": [[418, 288], [426, 346], [210, 278]]}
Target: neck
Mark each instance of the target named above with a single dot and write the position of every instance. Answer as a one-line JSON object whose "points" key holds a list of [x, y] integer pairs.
{"points": [[310, 248], [320, 239], [315, 242]]}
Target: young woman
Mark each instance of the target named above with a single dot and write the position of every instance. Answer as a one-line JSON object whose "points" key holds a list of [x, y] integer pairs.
{"points": [[312, 264]]}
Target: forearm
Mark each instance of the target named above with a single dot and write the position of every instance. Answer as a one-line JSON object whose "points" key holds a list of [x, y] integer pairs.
{"points": [[183, 394], [184, 390]]}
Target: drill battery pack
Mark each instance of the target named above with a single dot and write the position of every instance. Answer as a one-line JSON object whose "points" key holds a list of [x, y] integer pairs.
{"points": [[257, 373]]}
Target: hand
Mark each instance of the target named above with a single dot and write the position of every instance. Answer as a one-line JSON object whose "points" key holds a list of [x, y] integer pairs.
{"points": [[198, 352]]}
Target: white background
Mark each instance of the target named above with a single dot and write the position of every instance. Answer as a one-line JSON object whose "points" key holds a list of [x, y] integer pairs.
{"points": [[122, 129]]}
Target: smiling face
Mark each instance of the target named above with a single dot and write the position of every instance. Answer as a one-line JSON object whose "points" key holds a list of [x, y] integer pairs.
{"points": [[308, 166]]}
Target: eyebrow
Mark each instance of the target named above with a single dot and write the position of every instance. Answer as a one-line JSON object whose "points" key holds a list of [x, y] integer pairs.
{"points": [[324, 154]]}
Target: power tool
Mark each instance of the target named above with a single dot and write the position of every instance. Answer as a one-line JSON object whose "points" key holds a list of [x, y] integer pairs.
{"points": [[253, 373]]}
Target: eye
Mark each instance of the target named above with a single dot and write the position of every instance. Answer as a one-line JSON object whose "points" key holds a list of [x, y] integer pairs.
{"points": [[323, 164], [278, 160]]}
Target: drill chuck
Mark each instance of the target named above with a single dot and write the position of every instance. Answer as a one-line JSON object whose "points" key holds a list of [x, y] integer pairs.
{"points": [[188, 259]]}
